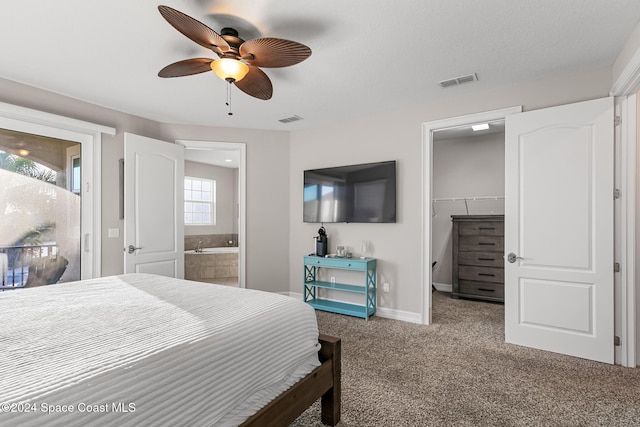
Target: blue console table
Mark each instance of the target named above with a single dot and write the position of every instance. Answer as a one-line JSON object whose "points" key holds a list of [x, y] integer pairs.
{"points": [[368, 290]]}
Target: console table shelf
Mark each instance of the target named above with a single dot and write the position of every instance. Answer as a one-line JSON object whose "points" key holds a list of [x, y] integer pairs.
{"points": [[368, 290], [339, 307], [338, 286]]}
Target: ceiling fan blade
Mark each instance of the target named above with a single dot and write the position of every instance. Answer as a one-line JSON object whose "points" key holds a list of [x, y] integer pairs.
{"points": [[194, 29], [256, 83], [186, 67], [270, 52]]}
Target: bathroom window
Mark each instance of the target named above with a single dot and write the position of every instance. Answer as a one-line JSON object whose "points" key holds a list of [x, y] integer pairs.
{"points": [[199, 201]]}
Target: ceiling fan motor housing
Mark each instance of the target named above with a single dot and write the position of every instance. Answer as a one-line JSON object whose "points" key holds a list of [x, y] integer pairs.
{"points": [[230, 35]]}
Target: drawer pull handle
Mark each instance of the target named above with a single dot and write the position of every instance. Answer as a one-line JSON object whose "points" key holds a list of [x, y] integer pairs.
{"points": [[486, 228], [486, 274], [486, 259], [486, 244], [486, 290]]}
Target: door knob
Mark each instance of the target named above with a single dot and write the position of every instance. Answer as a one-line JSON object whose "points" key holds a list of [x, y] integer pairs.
{"points": [[132, 249], [513, 257]]}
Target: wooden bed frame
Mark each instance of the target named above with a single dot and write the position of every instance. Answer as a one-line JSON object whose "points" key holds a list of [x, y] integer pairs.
{"points": [[323, 382]]}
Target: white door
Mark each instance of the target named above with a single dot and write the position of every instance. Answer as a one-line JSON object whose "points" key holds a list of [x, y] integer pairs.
{"points": [[153, 206], [559, 229]]}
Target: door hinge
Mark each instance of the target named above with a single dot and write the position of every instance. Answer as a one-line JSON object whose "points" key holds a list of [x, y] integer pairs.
{"points": [[617, 341], [617, 121], [616, 267], [617, 193]]}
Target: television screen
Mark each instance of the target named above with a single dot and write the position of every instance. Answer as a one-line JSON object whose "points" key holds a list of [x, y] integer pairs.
{"points": [[355, 193]]}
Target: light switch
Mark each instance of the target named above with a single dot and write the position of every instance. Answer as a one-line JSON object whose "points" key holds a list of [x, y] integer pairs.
{"points": [[114, 232]]}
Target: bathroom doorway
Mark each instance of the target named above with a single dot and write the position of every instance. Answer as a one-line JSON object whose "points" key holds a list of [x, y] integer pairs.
{"points": [[214, 198]]}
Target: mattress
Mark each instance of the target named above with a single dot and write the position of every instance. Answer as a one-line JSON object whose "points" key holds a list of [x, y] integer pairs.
{"points": [[141, 349]]}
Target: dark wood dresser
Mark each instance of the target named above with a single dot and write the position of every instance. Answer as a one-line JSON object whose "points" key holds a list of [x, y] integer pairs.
{"points": [[478, 257]]}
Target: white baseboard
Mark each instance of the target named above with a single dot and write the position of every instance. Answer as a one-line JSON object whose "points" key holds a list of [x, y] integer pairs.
{"points": [[444, 287], [387, 313], [405, 316]]}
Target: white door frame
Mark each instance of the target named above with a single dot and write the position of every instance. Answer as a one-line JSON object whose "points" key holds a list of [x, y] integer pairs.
{"points": [[428, 129], [90, 136], [625, 230], [625, 87], [242, 195]]}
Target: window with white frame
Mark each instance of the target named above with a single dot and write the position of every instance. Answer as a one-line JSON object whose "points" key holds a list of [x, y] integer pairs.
{"points": [[199, 201]]}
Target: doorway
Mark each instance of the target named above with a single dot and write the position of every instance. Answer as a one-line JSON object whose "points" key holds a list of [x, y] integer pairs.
{"points": [[88, 136], [223, 243], [211, 216], [429, 131], [468, 185]]}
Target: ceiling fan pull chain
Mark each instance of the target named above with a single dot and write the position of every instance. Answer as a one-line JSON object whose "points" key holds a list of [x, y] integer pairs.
{"points": [[229, 99]]}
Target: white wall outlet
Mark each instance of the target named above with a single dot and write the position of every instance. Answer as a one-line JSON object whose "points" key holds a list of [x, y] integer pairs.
{"points": [[113, 233], [333, 280], [385, 287]]}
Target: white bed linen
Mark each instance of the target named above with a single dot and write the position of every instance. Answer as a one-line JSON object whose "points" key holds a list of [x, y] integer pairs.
{"points": [[141, 349]]}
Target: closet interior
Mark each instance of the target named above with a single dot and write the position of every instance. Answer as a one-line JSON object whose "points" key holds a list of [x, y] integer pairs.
{"points": [[467, 218]]}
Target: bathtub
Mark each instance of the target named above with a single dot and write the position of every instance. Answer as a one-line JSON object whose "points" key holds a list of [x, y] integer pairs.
{"points": [[221, 250], [211, 264]]}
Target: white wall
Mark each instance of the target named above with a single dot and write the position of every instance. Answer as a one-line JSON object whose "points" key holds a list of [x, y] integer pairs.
{"points": [[397, 135], [226, 197], [234, 201], [469, 167]]}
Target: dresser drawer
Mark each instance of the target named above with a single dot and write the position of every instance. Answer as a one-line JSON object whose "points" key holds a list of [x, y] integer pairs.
{"points": [[482, 259], [495, 290], [484, 228], [481, 243], [343, 263], [481, 274]]}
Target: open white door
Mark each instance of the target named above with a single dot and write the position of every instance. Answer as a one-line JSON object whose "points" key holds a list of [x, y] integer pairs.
{"points": [[153, 208], [559, 229]]}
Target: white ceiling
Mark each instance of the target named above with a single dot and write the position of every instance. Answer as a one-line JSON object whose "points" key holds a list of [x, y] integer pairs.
{"points": [[216, 157], [368, 55]]}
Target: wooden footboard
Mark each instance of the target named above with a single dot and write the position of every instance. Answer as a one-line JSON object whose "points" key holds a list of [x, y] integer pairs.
{"points": [[323, 382]]}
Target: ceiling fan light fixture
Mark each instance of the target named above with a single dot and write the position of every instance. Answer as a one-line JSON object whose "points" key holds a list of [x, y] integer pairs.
{"points": [[229, 69]]}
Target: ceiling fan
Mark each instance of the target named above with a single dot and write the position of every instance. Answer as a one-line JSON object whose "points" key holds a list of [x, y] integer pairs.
{"points": [[239, 60]]}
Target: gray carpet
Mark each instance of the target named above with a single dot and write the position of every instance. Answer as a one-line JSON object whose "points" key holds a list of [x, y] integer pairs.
{"points": [[459, 372]]}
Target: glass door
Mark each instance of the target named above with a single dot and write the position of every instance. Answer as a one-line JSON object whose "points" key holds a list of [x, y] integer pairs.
{"points": [[40, 214]]}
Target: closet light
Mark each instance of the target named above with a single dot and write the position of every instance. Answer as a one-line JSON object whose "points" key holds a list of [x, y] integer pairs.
{"points": [[483, 126]]}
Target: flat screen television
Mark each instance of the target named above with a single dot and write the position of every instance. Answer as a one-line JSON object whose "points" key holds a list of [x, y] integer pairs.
{"points": [[354, 193]]}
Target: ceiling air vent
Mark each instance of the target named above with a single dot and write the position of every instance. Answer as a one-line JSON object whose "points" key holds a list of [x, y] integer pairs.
{"points": [[459, 80], [290, 119]]}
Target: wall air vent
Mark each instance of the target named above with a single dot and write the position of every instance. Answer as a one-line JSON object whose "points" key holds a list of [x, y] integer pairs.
{"points": [[459, 80], [290, 119]]}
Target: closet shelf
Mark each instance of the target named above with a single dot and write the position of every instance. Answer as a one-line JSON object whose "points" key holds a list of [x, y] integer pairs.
{"points": [[467, 199]]}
